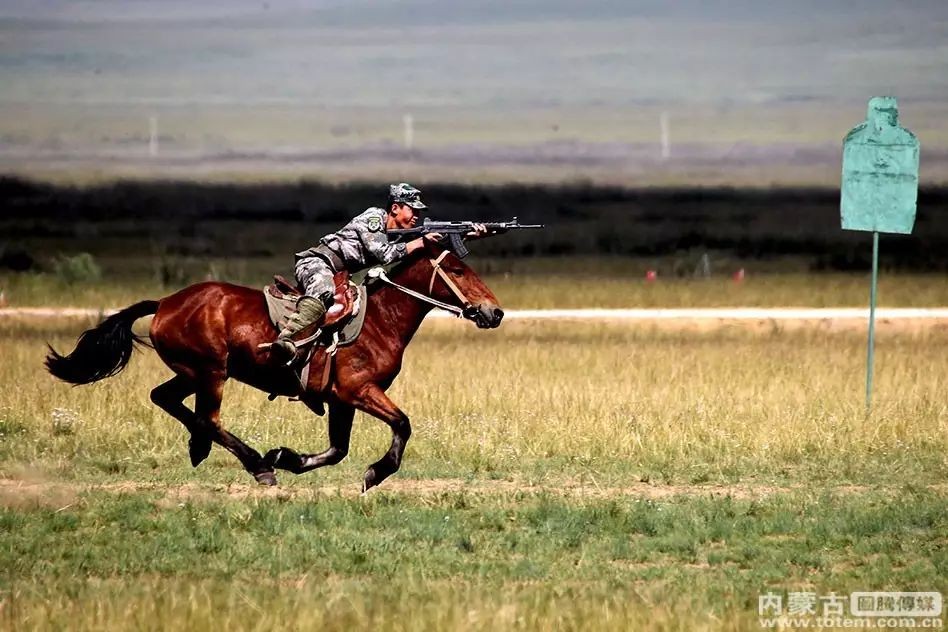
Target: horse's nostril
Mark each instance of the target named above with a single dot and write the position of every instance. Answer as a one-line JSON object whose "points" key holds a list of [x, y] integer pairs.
{"points": [[498, 315]]}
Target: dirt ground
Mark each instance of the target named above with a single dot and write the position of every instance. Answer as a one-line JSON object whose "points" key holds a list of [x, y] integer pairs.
{"points": [[31, 491]]}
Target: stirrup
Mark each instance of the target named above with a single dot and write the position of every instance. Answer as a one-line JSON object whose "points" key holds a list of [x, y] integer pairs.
{"points": [[278, 344], [296, 344]]}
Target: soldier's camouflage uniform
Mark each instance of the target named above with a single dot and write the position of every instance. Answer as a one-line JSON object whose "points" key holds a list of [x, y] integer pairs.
{"points": [[359, 244]]}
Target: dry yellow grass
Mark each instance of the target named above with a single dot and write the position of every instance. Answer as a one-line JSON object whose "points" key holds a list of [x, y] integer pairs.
{"points": [[536, 402]]}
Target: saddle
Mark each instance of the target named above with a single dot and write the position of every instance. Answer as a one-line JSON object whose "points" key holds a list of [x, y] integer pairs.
{"points": [[340, 327], [285, 294]]}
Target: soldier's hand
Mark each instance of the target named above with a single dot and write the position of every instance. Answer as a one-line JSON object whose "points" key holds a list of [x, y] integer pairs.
{"points": [[419, 242], [479, 231]]}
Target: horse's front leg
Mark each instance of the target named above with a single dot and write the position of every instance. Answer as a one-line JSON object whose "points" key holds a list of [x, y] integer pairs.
{"points": [[340, 429], [374, 401]]}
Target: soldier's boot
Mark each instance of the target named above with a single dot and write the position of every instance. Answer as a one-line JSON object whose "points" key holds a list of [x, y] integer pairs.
{"points": [[309, 312]]}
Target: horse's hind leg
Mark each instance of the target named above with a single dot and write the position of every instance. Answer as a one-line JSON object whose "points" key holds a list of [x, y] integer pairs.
{"points": [[340, 429], [208, 409], [170, 397]]}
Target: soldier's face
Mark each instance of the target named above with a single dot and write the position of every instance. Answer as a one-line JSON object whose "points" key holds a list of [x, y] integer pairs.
{"points": [[401, 216]]}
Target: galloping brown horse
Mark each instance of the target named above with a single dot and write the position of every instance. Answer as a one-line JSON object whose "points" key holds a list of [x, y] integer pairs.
{"points": [[210, 332]]}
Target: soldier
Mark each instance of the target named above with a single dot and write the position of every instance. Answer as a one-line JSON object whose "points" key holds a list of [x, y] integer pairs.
{"points": [[357, 245]]}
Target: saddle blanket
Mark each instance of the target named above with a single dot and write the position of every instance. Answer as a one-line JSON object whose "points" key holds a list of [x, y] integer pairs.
{"points": [[281, 306]]}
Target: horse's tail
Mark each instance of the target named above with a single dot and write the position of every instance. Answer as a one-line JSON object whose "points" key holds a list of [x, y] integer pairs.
{"points": [[103, 350]]}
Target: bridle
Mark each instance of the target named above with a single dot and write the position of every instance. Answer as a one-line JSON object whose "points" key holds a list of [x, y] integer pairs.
{"points": [[379, 273]]}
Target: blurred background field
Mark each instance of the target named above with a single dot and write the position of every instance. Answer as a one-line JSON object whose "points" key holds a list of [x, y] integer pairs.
{"points": [[112, 244], [732, 145], [177, 141]]}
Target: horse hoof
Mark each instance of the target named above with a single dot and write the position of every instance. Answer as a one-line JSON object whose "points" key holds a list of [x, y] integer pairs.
{"points": [[266, 478], [198, 449], [370, 480]]}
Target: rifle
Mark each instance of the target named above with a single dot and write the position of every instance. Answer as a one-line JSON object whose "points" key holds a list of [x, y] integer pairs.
{"points": [[455, 231]]}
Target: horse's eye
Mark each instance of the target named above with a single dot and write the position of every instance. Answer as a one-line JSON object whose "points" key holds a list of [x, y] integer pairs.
{"points": [[457, 271]]}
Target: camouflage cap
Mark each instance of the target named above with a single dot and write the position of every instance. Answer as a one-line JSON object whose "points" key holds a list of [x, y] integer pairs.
{"points": [[405, 193]]}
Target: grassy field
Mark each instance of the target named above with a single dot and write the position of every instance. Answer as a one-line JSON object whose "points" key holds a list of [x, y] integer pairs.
{"points": [[454, 562], [560, 476]]}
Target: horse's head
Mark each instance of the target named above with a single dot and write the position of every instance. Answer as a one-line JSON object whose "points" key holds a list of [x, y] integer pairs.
{"points": [[441, 275]]}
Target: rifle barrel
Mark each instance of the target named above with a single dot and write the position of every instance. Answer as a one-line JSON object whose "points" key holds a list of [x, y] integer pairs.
{"points": [[457, 227]]}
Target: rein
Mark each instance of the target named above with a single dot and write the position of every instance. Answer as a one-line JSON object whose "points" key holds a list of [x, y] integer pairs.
{"points": [[379, 273]]}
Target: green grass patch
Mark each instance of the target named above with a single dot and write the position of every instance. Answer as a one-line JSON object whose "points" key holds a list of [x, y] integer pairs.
{"points": [[455, 559]]}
